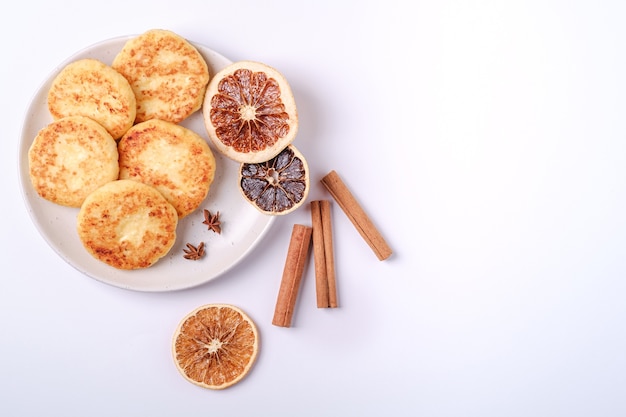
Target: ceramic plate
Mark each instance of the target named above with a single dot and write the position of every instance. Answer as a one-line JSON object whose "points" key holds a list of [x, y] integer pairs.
{"points": [[242, 225]]}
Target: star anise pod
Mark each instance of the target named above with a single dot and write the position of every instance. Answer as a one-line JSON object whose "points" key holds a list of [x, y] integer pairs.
{"points": [[194, 253], [212, 221]]}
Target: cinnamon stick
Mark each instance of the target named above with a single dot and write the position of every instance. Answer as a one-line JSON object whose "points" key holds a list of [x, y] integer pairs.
{"points": [[357, 215], [329, 253], [292, 275], [323, 254], [319, 256]]}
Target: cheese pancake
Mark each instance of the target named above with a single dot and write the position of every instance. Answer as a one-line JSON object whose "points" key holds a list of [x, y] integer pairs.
{"points": [[167, 73], [175, 160], [127, 224], [90, 88], [71, 157]]}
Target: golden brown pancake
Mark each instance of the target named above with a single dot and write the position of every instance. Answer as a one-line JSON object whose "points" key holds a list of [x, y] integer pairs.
{"points": [[173, 159], [70, 158], [90, 88], [127, 224], [167, 74]]}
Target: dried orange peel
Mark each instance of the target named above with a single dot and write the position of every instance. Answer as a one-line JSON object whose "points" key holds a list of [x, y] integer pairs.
{"points": [[278, 186], [249, 112], [215, 346]]}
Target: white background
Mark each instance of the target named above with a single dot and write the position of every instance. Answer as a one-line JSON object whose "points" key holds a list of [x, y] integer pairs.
{"points": [[487, 141]]}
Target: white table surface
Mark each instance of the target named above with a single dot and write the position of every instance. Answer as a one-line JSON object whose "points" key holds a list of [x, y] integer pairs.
{"points": [[485, 139]]}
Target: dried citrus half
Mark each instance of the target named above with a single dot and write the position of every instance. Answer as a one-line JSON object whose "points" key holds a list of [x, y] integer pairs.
{"points": [[250, 112], [215, 345], [278, 186]]}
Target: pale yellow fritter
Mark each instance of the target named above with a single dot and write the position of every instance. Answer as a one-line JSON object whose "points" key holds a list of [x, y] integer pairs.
{"points": [[71, 157], [90, 88], [175, 160], [127, 224], [167, 73]]}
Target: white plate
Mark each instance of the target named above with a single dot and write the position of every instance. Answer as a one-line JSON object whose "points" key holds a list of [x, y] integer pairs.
{"points": [[242, 225]]}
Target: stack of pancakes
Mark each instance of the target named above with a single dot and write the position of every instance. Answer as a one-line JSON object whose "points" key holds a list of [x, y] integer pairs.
{"points": [[116, 151]]}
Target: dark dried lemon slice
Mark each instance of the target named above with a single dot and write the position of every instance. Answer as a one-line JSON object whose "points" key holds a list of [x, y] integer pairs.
{"points": [[215, 346], [278, 186], [249, 112]]}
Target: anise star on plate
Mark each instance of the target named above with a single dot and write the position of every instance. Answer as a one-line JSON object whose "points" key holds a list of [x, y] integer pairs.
{"points": [[212, 221], [194, 253]]}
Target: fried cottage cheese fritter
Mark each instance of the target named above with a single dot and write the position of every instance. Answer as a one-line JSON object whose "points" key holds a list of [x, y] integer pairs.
{"points": [[175, 160], [167, 73], [127, 224], [71, 157], [90, 88]]}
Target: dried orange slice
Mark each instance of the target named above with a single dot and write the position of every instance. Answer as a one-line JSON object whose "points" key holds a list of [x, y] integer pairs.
{"points": [[278, 186], [215, 346], [250, 112]]}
